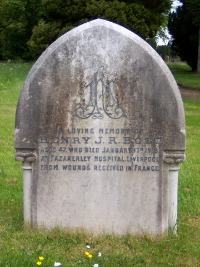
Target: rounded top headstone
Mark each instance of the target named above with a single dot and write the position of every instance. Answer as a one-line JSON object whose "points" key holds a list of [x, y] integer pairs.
{"points": [[102, 121]]}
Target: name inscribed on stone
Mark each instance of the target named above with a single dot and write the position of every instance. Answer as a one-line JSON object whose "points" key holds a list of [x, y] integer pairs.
{"points": [[101, 149]]}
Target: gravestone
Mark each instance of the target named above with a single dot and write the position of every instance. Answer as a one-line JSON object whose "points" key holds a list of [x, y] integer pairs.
{"points": [[100, 130]]}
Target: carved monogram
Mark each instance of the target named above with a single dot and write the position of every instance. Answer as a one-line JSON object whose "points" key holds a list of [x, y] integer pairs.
{"points": [[101, 99]]}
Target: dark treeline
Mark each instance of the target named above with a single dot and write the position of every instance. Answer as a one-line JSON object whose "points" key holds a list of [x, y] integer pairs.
{"points": [[27, 27], [184, 26]]}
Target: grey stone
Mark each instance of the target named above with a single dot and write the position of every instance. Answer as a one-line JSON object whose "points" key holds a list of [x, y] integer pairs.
{"points": [[100, 129]]}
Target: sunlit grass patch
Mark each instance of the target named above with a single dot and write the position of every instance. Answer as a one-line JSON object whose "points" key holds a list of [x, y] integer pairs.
{"points": [[184, 75]]}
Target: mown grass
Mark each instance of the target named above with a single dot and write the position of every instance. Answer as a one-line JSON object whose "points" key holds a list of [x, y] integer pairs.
{"points": [[21, 247], [184, 75]]}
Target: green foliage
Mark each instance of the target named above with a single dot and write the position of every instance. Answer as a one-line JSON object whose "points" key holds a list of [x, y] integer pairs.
{"points": [[185, 33], [133, 16], [64, 11], [18, 17], [142, 17], [27, 27], [157, 5], [13, 41], [10, 12], [43, 34], [194, 7]]}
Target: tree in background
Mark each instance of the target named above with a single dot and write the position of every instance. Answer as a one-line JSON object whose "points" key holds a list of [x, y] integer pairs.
{"points": [[17, 19], [144, 17], [183, 25], [194, 7], [9, 15], [30, 26]]}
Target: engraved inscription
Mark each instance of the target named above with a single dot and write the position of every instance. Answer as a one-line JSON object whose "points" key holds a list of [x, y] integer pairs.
{"points": [[100, 149]]}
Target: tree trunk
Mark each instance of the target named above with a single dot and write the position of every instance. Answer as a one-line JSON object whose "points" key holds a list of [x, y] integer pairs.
{"points": [[198, 61]]}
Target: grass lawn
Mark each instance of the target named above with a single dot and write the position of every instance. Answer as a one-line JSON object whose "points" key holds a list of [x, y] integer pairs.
{"points": [[184, 75], [21, 247]]}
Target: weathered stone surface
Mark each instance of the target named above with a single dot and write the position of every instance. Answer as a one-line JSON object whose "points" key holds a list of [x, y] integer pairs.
{"points": [[101, 117]]}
